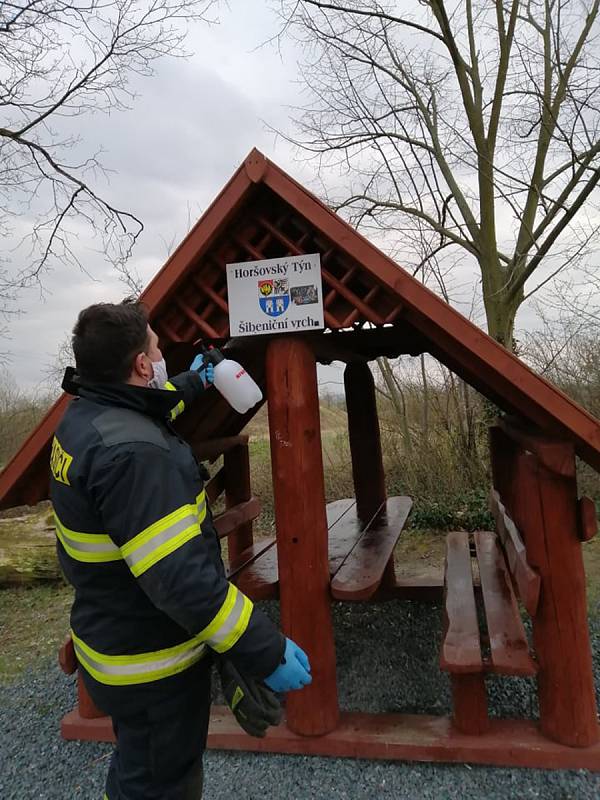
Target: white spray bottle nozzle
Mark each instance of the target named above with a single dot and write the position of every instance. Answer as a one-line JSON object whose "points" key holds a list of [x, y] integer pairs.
{"points": [[232, 380]]}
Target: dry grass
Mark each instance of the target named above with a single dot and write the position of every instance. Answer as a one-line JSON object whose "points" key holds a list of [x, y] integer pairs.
{"points": [[591, 560], [336, 462], [35, 620], [33, 624]]}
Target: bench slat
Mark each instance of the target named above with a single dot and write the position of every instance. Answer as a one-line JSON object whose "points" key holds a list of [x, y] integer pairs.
{"points": [[461, 651], [337, 509], [249, 555], [527, 580], [216, 485], [66, 656], [587, 522], [237, 515], [508, 642], [361, 572], [345, 529], [260, 579]]}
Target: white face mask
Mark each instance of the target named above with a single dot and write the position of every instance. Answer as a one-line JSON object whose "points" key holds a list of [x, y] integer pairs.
{"points": [[160, 376]]}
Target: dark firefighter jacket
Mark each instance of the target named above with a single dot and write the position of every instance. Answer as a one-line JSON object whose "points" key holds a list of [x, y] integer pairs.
{"points": [[136, 540]]}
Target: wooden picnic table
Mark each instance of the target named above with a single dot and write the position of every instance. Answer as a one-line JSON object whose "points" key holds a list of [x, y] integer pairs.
{"points": [[359, 552]]}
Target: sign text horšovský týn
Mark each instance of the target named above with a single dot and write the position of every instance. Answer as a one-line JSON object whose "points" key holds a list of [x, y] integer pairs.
{"points": [[276, 295]]}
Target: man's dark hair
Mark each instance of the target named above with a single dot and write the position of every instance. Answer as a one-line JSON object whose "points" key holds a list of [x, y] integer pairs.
{"points": [[106, 339]]}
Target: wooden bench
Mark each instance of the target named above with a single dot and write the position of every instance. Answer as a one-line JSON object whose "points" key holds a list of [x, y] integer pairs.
{"points": [[359, 552], [232, 518], [501, 648]]}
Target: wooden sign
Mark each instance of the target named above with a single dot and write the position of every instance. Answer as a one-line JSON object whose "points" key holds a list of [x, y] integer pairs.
{"points": [[276, 295]]}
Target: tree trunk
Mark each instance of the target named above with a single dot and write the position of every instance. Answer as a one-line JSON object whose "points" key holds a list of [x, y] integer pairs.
{"points": [[500, 309], [28, 549]]}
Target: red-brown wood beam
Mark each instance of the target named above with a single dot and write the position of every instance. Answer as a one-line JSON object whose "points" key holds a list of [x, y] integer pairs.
{"points": [[394, 314], [211, 449], [555, 454], [469, 703], [66, 657], [216, 485], [87, 708], [238, 490], [301, 522], [165, 330], [293, 248], [230, 520], [351, 298], [249, 248], [526, 579], [545, 509], [365, 440], [587, 519], [503, 452], [404, 737], [210, 292], [206, 329], [355, 315]]}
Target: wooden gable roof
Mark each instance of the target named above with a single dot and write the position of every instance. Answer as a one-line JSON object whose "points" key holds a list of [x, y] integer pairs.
{"points": [[263, 213]]}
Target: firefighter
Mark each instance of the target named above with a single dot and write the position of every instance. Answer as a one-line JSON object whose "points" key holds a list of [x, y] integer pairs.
{"points": [[136, 540]]}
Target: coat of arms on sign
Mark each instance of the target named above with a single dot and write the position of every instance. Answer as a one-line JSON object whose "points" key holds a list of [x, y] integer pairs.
{"points": [[274, 296]]}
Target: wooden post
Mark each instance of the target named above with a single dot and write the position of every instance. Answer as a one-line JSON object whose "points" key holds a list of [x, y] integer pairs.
{"points": [[365, 447], [503, 454], [545, 510], [237, 490], [87, 708], [365, 440], [301, 522], [469, 704]]}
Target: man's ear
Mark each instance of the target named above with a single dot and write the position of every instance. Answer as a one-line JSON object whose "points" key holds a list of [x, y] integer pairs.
{"points": [[142, 367]]}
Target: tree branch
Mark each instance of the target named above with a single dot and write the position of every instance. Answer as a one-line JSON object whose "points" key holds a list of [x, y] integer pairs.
{"points": [[519, 280], [380, 15]]}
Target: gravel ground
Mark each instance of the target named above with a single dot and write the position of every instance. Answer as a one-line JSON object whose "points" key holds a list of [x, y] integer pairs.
{"points": [[400, 644]]}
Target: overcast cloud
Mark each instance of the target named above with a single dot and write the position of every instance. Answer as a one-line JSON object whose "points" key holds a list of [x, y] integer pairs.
{"points": [[188, 131], [191, 126]]}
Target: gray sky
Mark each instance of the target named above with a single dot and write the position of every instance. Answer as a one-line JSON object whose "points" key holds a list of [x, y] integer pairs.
{"points": [[190, 128]]}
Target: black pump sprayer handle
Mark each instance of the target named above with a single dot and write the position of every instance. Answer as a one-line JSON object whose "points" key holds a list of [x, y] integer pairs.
{"points": [[210, 354]]}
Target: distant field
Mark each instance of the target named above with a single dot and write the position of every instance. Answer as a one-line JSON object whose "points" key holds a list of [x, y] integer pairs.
{"points": [[336, 461], [332, 419]]}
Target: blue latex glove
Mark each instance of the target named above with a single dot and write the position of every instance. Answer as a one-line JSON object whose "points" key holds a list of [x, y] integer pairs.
{"points": [[293, 672], [206, 371]]}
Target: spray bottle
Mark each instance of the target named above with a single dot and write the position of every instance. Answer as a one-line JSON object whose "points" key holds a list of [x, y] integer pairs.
{"points": [[232, 381]]}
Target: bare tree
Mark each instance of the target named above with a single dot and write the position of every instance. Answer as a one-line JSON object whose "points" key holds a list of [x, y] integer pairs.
{"points": [[469, 124], [566, 349], [58, 61], [20, 411]]}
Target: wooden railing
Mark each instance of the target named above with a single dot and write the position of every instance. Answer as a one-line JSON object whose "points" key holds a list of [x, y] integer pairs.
{"points": [[535, 481], [233, 479]]}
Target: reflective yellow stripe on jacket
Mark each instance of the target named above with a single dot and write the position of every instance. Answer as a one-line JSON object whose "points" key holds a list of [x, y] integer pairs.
{"points": [[230, 622], [180, 407], [164, 536], [223, 632], [147, 548], [125, 670], [93, 548]]}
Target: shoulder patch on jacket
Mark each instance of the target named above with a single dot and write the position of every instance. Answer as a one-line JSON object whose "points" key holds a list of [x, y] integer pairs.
{"points": [[121, 425]]}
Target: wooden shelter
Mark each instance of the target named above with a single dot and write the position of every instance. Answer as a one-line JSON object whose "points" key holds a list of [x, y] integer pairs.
{"points": [[344, 550]]}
